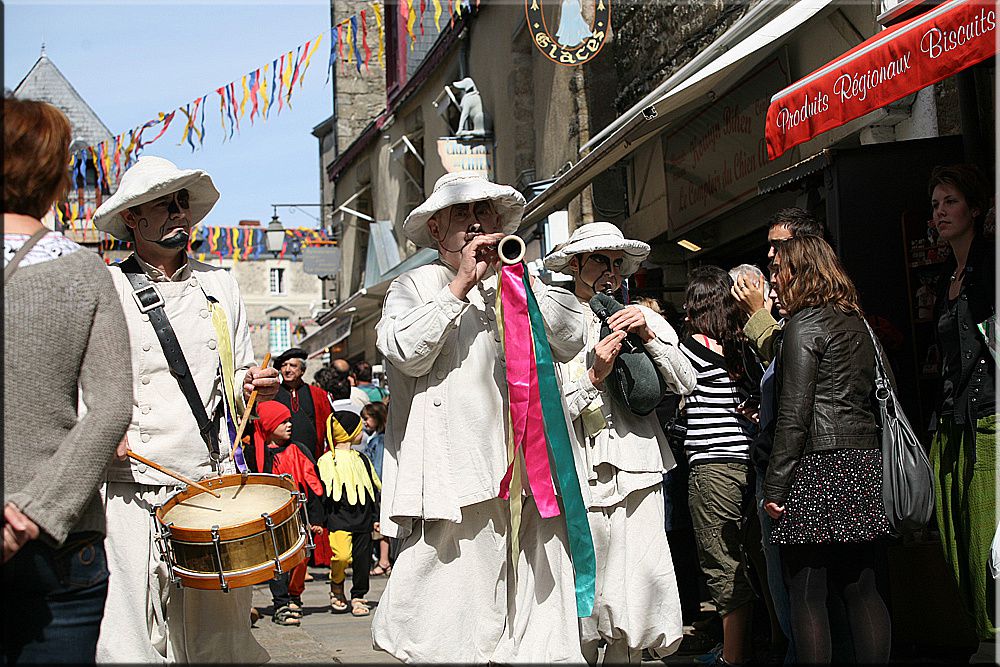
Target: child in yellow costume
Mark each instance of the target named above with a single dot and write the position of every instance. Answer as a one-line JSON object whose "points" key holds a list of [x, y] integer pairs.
{"points": [[352, 496]]}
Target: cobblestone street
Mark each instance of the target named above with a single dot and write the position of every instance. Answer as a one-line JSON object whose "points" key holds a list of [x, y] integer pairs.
{"points": [[323, 637]]}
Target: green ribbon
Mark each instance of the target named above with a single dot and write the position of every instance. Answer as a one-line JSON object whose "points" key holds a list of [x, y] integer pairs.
{"points": [[581, 544]]}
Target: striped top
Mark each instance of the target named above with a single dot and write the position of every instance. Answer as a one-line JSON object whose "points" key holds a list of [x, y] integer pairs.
{"points": [[716, 433]]}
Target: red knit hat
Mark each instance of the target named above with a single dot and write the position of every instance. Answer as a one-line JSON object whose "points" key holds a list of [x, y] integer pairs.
{"points": [[271, 415]]}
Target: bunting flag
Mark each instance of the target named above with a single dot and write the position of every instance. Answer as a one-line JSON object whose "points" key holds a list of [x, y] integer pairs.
{"points": [[437, 15], [451, 14], [334, 32], [222, 110], [274, 81], [308, 58], [201, 134], [423, 7], [349, 42], [364, 39], [377, 10], [254, 90], [187, 127], [118, 157], [246, 95], [234, 108], [281, 83], [286, 73], [263, 92], [340, 41], [354, 43], [411, 19], [295, 74], [538, 427]]}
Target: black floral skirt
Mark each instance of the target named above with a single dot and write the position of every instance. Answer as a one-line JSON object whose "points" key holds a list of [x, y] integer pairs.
{"points": [[836, 496]]}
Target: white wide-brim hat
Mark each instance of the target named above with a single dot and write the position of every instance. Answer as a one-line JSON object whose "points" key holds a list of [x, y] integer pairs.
{"points": [[592, 238], [464, 188], [149, 178]]}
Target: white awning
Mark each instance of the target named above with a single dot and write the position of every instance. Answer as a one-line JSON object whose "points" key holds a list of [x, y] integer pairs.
{"points": [[741, 48], [329, 334]]}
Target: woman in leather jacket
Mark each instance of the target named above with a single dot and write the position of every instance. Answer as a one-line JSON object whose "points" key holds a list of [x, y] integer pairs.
{"points": [[824, 480], [963, 453]]}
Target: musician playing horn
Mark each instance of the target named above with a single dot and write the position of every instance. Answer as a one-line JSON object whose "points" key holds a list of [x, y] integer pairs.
{"points": [[184, 427], [452, 595], [637, 605]]}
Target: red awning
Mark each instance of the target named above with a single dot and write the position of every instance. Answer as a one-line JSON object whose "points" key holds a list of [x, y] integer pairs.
{"points": [[893, 64]]}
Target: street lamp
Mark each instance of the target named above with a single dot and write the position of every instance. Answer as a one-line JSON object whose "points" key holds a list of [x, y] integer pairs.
{"points": [[275, 234]]}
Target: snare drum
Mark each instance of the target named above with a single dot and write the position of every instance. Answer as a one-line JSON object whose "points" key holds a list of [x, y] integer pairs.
{"points": [[256, 530]]}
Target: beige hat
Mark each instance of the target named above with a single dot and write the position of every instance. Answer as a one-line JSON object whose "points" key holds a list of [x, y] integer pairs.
{"points": [[464, 187], [592, 238], [149, 178]]}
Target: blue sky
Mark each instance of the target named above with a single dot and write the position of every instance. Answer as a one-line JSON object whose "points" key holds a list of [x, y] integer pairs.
{"points": [[130, 60]]}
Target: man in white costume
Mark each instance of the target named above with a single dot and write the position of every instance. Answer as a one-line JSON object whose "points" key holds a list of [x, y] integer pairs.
{"points": [[636, 605], [147, 619], [452, 596]]}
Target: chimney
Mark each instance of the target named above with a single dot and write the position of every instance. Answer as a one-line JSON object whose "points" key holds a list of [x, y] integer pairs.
{"points": [[249, 223]]}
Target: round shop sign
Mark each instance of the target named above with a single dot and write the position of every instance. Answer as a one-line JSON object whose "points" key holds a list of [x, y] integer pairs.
{"points": [[575, 41]]}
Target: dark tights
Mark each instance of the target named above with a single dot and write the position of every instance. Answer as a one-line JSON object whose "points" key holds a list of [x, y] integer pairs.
{"points": [[814, 571]]}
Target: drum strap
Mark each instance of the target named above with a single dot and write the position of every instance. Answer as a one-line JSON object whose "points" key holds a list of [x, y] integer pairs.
{"points": [[150, 303]]}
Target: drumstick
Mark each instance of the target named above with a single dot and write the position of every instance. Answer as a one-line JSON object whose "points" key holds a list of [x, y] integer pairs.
{"points": [[171, 473], [253, 399]]}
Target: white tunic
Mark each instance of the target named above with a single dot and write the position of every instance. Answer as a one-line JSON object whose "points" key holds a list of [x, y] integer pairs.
{"points": [[445, 454], [624, 452], [163, 428], [445, 441], [636, 604]]}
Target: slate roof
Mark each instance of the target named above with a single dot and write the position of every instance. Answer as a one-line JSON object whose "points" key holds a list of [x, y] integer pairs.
{"points": [[46, 83]]}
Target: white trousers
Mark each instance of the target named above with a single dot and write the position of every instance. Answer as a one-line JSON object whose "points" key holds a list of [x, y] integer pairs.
{"points": [[450, 597], [636, 604], [149, 620]]}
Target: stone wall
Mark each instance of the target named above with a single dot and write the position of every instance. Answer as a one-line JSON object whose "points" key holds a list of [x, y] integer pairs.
{"points": [[360, 96], [654, 38]]}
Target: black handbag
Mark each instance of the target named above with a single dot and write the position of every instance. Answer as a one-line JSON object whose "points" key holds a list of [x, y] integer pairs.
{"points": [[907, 478]]}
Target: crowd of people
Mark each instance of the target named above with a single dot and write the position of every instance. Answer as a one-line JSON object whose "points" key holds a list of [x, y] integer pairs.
{"points": [[759, 473]]}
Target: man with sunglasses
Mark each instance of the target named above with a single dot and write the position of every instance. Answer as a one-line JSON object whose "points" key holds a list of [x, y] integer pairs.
{"points": [[454, 595], [757, 299], [637, 605], [178, 312]]}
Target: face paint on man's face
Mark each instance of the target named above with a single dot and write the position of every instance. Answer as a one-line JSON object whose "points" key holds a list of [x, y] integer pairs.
{"points": [[166, 221]]}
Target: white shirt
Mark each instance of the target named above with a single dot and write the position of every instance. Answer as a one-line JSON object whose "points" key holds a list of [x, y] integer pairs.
{"points": [[445, 441], [163, 429], [623, 452]]}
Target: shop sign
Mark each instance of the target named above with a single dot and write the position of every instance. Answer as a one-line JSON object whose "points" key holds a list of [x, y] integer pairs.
{"points": [[575, 41], [886, 68], [321, 260], [715, 157], [466, 154]]}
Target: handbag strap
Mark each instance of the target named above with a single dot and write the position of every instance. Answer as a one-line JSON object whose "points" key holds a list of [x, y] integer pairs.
{"points": [[22, 252], [150, 303], [883, 385]]}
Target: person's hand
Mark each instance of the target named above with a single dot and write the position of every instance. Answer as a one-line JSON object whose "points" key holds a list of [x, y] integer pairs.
{"points": [[121, 452], [265, 380], [18, 530], [605, 353], [749, 294], [774, 510], [750, 409], [631, 319], [316, 529], [478, 256], [377, 527]]}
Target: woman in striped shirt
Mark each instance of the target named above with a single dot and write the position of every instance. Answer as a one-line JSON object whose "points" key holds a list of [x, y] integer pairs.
{"points": [[717, 446]]}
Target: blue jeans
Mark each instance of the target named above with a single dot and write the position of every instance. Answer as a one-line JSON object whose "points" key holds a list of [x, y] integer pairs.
{"points": [[775, 577], [53, 601]]}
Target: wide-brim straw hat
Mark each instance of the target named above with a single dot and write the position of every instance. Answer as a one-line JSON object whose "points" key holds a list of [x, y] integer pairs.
{"points": [[464, 188], [149, 178], [594, 237]]}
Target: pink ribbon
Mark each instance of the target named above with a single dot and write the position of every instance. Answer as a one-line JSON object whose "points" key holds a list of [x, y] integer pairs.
{"points": [[523, 393]]}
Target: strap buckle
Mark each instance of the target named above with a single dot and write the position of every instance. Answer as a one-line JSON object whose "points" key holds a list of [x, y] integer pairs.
{"points": [[147, 298]]}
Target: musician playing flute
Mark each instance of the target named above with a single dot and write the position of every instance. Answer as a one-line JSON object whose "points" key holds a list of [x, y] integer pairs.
{"points": [[186, 427], [452, 596], [637, 605]]}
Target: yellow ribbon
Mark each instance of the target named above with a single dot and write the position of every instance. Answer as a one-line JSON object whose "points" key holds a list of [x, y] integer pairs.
{"points": [[437, 14], [377, 8], [411, 19], [263, 88], [228, 363], [516, 502], [305, 63]]}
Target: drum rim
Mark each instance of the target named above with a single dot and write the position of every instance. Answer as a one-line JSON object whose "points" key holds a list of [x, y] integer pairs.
{"points": [[258, 576], [298, 546], [237, 531]]}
